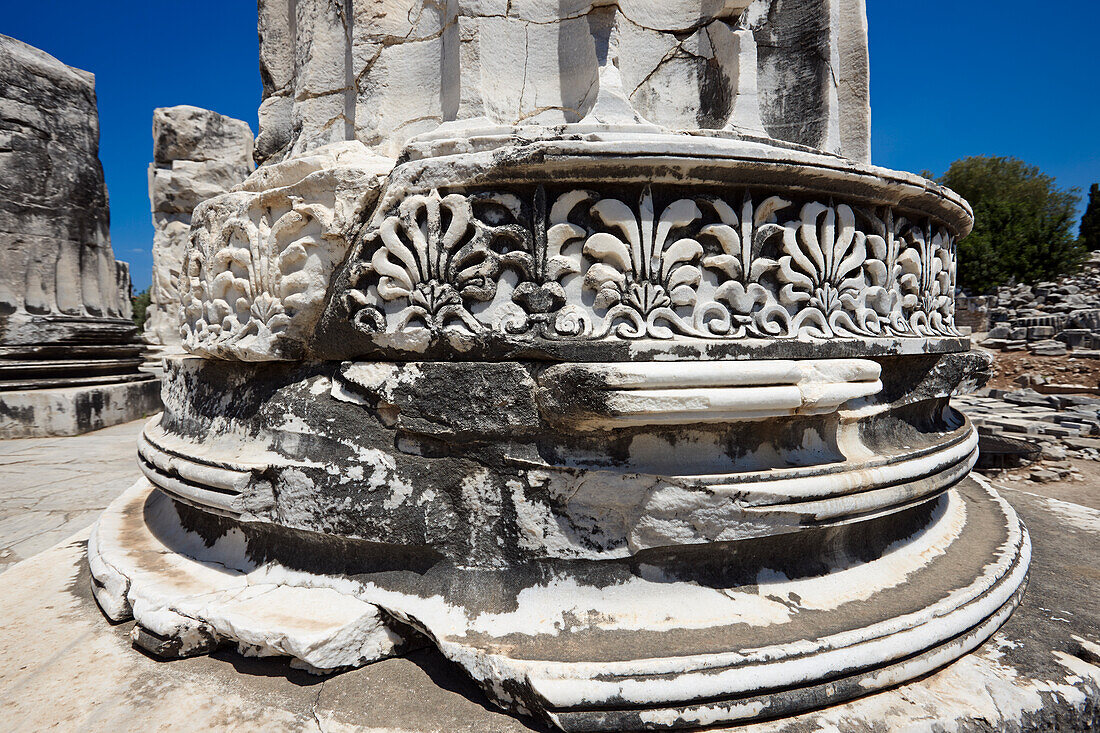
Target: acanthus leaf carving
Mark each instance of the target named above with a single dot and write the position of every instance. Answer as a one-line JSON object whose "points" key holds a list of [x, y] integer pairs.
{"points": [[246, 279]]}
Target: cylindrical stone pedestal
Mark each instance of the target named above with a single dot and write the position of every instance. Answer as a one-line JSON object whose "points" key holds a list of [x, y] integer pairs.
{"points": [[639, 413]]}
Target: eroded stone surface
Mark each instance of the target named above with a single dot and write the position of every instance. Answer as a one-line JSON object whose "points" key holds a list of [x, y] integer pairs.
{"points": [[65, 311], [342, 71], [57, 258], [521, 636], [197, 154], [603, 360], [256, 273]]}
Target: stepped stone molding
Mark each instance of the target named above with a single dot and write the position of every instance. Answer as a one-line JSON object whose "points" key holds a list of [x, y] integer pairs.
{"points": [[581, 341], [784, 445], [149, 557]]}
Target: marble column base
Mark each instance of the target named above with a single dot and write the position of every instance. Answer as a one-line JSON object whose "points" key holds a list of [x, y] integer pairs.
{"points": [[60, 411], [722, 633]]}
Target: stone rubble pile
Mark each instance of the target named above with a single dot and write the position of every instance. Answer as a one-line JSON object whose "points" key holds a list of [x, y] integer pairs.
{"points": [[1046, 319], [1067, 425]]}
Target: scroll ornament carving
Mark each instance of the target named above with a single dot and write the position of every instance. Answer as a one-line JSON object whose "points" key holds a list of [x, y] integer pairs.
{"points": [[590, 266]]}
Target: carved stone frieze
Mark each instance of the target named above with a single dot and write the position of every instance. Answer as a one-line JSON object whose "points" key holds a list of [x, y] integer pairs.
{"points": [[656, 263], [258, 265]]}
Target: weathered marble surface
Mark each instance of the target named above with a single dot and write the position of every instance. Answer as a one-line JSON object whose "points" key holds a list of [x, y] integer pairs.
{"points": [[197, 154], [795, 72], [65, 311], [55, 255], [1032, 676], [581, 341]]}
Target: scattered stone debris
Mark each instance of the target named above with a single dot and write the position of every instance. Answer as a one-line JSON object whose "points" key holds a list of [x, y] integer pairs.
{"points": [[1046, 319], [1061, 426]]}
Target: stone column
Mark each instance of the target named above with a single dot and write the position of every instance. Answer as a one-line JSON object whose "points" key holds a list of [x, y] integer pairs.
{"points": [[65, 314], [586, 354]]}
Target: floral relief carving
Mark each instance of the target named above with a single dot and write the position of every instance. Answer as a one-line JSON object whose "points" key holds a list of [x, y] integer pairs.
{"points": [[823, 273], [928, 281], [750, 307], [581, 265], [245, 278], [884, 270], [641, 271], [541, 301], [432, 259]]}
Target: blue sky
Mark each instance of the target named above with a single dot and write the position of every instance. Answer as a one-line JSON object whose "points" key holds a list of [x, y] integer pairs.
{"points": [[949, 78]]}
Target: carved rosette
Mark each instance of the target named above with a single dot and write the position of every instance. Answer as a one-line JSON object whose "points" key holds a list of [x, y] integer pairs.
{"points": [[659, 263]]}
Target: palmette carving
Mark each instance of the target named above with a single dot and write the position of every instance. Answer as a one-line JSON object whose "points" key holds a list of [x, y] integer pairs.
{"points": [[742, 306], [928, 280], [823, 273], [640, 272], [653, 264], [247, 277]]}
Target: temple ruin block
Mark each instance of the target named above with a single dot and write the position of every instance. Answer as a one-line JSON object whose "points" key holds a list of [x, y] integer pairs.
{"points": [[69, 351], [197, 154]]}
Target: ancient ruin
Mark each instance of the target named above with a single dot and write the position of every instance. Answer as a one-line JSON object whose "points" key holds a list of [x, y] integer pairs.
{"points": [[197, 154], [69, 350], [581, 341]]}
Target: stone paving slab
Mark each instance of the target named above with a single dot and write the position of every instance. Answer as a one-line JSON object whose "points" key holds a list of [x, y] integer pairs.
{"points": [[63, 666], [53, 487]]}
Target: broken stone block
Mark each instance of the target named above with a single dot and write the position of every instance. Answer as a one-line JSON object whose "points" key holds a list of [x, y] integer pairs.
{"points": [[1075, 338], [197, 154], [1082, 443], [1048, 348], [1039, 333], [1053, 452]]}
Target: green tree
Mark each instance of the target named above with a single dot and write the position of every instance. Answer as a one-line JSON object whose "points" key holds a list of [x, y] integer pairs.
{"points": [[141, 305], [1022, 223], [1090, 222]]}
